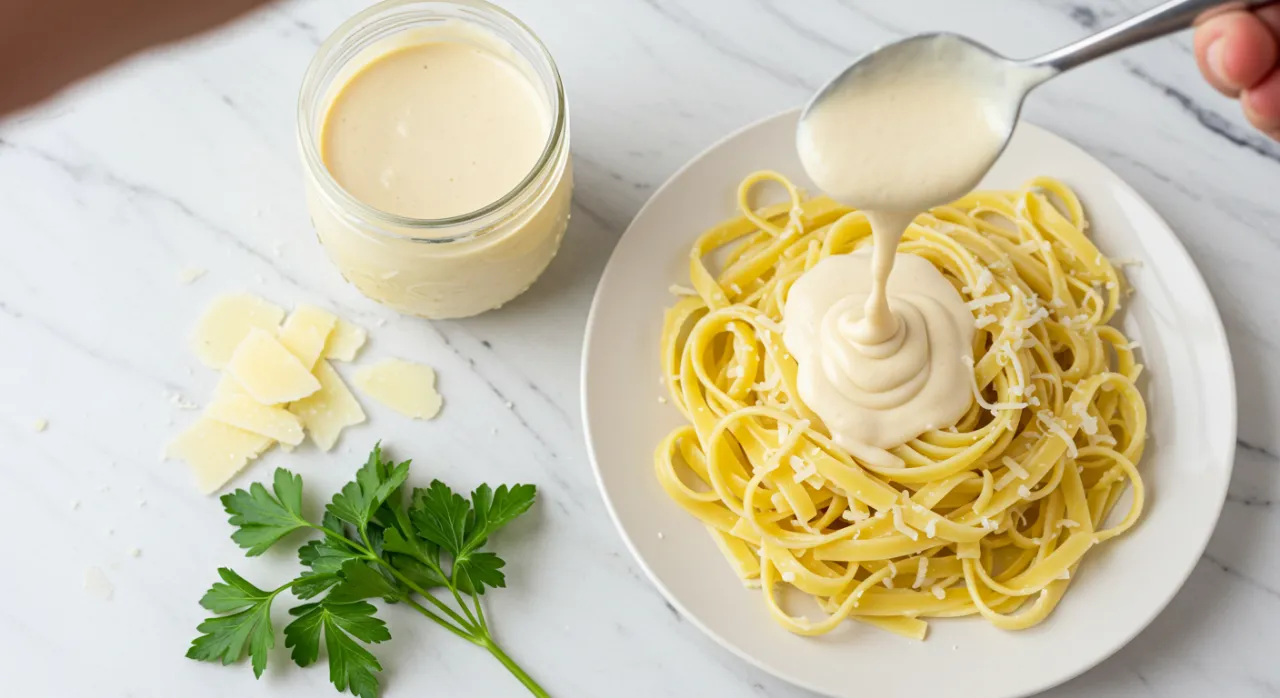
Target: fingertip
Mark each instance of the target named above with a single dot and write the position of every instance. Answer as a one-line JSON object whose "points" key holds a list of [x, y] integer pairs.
{"points": [[1262, 104], [1208, 41], [1235, 51]]}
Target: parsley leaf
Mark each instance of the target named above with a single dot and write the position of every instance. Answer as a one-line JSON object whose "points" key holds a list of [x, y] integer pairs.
{"points": [[461, 527], [361, 581], [375, 482], [477, 570], [495, 509], [395, 542], [351, 666], [423, 575], [227, 638], [441, 516], [262, 518], [417, 559], [232, 594], [325, 557]]}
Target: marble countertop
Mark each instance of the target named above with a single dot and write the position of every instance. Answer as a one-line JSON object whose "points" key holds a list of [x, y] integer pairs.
{"points": [[186, 158]]}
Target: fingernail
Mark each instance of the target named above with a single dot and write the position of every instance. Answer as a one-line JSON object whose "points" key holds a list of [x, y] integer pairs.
{"points": [[1213, 56]]}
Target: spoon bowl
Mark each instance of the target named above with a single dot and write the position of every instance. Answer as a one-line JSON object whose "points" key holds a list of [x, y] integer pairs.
{"points": [[914, 124], [917, 123]]}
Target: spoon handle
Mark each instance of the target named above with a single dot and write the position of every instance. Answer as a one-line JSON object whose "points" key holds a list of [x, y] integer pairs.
{"points": [[1156, 22]]}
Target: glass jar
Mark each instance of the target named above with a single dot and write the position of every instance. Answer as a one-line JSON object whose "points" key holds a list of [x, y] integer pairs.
{"points": [[447, 267]]}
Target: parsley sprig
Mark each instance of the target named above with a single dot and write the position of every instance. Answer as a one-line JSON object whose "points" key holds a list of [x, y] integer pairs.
{"points": [[377, 543]]}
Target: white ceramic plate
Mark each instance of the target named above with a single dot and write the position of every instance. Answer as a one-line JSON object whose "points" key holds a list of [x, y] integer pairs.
{"points": [[1120, 587]]}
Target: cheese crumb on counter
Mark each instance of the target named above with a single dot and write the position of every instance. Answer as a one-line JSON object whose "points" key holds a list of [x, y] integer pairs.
{"points": [[40, 424], [190, 274], [97, 585]]}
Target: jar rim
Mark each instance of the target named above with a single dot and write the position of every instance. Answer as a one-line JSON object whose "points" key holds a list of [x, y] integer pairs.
{"points": [[308, 141]]}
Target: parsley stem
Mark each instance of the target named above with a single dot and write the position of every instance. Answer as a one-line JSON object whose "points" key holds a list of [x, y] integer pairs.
{"points": [[442, 622], [366, 551], [484, 625], [470, 628], [488, 643], [453, 588]]}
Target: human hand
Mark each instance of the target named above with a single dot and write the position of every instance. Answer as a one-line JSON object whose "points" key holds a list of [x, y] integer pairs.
{"points": [[1239, 54], [47, 44]]}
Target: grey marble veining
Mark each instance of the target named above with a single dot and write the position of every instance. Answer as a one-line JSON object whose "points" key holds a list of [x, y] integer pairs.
{"points": [[186, 158]]}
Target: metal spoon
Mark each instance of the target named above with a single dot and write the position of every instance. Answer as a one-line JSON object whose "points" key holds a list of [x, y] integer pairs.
{"points": [[1003, 83]]}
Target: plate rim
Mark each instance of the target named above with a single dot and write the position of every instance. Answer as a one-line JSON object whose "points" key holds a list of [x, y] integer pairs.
{"points": [[1054, 680]]}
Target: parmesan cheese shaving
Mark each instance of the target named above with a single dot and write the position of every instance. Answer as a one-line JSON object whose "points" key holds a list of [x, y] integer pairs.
{"points": [[1056, 427], [984, 281], [1015, 468], [983, 302], [922, 573], [1088, 423], [901, 524], [977, 394]]}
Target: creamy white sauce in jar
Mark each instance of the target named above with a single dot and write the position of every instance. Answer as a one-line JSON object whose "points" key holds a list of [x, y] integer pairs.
{"points": [[882, 357], [436, 140]]}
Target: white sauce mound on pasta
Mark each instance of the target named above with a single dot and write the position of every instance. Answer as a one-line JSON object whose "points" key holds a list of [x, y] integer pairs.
{"points": [[989, 516]]}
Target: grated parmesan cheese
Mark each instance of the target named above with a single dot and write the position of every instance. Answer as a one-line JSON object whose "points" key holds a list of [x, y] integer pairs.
{"points": [[803, 470], [1104, 439], [931, 528], [977, 394], [1088, 423], [921, 573], [900, 524], [678, 290], [938, 592], [788, 577], [854, 516], [985, 301], [768, 323], [1015, 467], [984, 281], [1057, 428]]}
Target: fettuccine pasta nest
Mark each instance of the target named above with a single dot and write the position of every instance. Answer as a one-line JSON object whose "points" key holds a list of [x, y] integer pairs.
{"points": [[991, 516]]}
